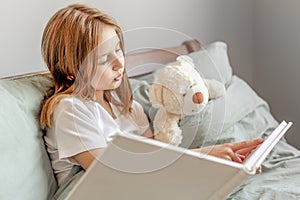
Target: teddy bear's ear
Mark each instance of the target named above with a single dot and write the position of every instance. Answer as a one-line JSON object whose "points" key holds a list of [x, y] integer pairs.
{"points": [[186, 59], [155, 94]]}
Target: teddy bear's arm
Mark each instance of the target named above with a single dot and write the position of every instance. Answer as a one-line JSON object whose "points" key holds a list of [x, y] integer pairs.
{"points": [[166, 128]]}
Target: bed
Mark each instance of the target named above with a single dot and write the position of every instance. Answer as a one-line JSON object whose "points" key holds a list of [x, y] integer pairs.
{"points": [[240, 115]]}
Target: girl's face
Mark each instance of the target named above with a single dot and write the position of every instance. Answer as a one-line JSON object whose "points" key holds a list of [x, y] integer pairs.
{"points": [[111, 62]]}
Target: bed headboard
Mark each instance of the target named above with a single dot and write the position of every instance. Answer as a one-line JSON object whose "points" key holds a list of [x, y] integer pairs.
{"points": [[145, 62]]}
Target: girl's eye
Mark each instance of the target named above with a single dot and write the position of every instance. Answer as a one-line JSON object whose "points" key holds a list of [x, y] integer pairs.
{"points": [[103, 61], [119, 50]]}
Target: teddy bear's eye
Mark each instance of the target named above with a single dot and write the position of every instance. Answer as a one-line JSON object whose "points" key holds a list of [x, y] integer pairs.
{"points": [[191, 86], [184, 94]]}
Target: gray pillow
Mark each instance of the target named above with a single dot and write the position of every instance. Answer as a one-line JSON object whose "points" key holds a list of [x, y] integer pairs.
{"points": [[212, 62], [25, 166]]}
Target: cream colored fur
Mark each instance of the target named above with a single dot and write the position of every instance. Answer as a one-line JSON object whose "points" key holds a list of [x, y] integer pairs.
{"points": [[173, 93]]}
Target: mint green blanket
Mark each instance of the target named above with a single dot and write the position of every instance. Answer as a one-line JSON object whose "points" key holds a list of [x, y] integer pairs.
{"points": [[240, 115]]}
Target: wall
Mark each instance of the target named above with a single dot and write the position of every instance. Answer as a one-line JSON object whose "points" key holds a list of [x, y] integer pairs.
{"points": [[22, 23], [260, 33], [277, 59]]}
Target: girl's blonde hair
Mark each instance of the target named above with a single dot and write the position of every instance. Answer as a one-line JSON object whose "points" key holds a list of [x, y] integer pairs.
{"points": [[69, 39]]}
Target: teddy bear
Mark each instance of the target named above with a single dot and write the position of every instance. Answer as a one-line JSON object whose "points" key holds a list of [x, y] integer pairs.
{"points": [[179, 91]]}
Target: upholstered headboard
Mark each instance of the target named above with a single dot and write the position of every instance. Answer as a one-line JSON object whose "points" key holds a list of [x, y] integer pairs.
{"points": [[147, 61], [143, 62]]}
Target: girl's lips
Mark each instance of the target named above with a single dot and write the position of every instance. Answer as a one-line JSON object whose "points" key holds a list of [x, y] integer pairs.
{"points": [[119, 77]]}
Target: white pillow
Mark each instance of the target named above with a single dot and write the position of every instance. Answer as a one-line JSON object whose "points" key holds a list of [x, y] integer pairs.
{"points": [[212, 62]]}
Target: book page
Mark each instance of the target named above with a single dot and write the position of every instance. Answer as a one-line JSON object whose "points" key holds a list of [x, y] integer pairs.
{"points": [[132, 164], [255, 159]]}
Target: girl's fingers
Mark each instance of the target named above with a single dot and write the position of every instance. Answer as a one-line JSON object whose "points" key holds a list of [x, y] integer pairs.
{"points": [[242, 157], [235, 157], [258, 171], [246, 151], [242, 145]]}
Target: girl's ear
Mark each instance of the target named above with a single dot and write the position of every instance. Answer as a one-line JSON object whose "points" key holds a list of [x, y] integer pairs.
{"points": [[155, 94], [70, 77]]}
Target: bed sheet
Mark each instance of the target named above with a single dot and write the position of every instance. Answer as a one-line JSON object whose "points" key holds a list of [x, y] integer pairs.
{"points": [[240, 115]]}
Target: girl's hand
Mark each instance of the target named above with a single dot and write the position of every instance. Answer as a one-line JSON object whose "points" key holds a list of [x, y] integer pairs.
{"points": [[232, 151], [258, 171]]}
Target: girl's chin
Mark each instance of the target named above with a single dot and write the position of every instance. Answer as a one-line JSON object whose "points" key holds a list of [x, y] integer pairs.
{"points": [[113, 86], [117, 84]]}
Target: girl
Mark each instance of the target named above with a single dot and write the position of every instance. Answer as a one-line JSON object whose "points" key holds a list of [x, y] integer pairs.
{"points": [[92, 100]]}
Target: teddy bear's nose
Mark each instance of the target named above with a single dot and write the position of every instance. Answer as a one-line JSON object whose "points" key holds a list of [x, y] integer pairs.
{"points": [[198, 98]]}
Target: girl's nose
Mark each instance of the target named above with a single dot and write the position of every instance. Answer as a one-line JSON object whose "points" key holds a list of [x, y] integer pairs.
{"points": [[118, 63]]}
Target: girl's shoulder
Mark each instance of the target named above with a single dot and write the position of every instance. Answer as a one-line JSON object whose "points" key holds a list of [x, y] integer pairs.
{"points": [[69, 102], [74, 104]]}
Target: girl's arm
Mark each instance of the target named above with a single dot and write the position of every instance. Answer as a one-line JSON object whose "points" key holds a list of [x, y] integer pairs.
{"points": [[148, 133], [86, 158], [232, 151]]}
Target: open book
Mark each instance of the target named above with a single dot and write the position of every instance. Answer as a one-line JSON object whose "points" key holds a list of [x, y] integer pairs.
{"points": [[134, 167]]}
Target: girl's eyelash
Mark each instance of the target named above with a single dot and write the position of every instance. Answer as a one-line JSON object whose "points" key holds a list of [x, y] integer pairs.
{"points": [[118, 50], [103, 62], [118, 47]]}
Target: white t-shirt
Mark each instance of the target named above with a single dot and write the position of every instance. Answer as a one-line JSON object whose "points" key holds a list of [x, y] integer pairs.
{"points": [[79, 126]]}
